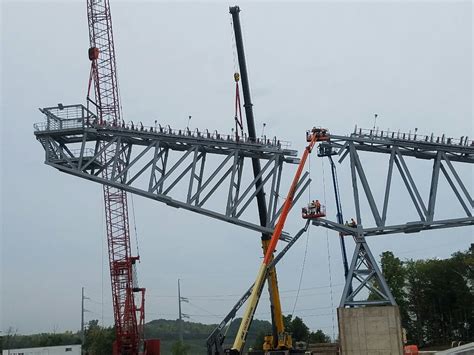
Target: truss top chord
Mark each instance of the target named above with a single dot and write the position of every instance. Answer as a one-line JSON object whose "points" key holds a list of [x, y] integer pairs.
{"points": [[412, 137], [72, 119]]}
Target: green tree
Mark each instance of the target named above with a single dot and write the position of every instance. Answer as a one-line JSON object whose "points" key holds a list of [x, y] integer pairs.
{"points": [[258, 343], [318, 337], [436, 297], [98, 340], [299, 330], [179, 348], [296, 327]]}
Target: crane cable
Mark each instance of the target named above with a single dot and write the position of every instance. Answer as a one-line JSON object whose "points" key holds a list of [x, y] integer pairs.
{"points": [[329, 258], [306, 247], [238, 106], [234, 45], [135, 227]]}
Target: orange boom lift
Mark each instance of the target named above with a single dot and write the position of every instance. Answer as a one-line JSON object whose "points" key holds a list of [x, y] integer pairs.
{"points": [[313, 136]]}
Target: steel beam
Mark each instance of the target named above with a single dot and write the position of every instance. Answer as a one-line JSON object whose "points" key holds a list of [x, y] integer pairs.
{"points": [[183, 169]]}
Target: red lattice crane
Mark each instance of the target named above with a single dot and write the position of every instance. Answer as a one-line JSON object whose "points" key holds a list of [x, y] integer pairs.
{"points": [[129, 317]]}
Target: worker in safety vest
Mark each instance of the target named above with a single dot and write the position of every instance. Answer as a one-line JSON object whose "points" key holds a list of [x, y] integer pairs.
{"points": [[317, 204], [353, 223]]}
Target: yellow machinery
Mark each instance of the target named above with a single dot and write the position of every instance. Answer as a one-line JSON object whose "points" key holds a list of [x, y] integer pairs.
{"points": [[315, 135]]}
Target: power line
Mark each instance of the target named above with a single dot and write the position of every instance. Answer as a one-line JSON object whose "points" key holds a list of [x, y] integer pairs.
{"points": [[212, 296]]}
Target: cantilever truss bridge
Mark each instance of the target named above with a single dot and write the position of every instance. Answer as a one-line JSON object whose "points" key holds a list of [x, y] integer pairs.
{"points": [[193, 170], [182, 168]]}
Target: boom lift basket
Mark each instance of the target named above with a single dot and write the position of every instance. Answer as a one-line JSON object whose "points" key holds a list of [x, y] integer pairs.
{"points": [[322, 134], [310, 212]]}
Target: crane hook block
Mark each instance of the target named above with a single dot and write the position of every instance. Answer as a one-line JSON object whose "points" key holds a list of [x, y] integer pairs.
{"points": [[93, 53], [236, 77]]}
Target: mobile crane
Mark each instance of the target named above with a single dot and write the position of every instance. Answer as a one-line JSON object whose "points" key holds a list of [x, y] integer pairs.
{"points": [[313, 136], [279, 338]]}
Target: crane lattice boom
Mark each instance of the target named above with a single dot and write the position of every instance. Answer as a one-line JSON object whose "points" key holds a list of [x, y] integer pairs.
{"points": [[103, 77]]}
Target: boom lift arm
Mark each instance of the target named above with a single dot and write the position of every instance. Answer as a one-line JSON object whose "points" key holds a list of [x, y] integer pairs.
{"points": [[340, 219], [314, 136], [215, 341]]}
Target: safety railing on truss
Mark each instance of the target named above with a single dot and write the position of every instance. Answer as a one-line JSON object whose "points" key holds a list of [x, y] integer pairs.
{"points": [[75, 153], [411, 136], [196, 133], [78, 116], [215, 135], [64, 117]]}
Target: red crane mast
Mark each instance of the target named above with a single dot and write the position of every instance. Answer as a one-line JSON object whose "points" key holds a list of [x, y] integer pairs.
{"points": [[128, 317]]}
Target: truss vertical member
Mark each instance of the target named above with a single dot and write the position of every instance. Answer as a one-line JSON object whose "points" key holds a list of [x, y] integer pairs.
{"points": [[314, 136], [103, 77], [279, 337]]}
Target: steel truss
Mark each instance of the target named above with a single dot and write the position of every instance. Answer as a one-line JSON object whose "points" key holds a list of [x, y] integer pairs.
{"points": [[442, 151], [168, 165]]}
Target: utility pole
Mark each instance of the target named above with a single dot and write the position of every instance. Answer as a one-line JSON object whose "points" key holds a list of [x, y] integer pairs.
{"points": [[82, 317], [181, 314], [83, 310]]}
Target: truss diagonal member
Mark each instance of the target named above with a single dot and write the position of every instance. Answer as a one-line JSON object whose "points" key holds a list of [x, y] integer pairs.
{"points": [[363, 282], [200, 177], [59, 149], [411, 181], [197, 157], [173, 168], [196, 195], [132, 163], [355, 189], [99, 152], [455, 190], [252, 185], [364, 264], [119, 149], [234, 186], [160, 164], [273, 200], [139, 173], [434, 187], [257, 190], [343, 152], [363, 179], [409, 189], [458, 179], [388, 185]]}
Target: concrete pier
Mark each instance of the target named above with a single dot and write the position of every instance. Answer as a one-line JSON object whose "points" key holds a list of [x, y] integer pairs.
{"points": [[370, 330]]}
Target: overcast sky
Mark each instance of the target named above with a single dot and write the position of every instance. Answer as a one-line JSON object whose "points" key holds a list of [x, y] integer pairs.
{"points": [[331, 64]]}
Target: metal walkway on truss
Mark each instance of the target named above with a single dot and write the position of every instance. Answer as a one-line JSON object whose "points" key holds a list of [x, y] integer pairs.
{"points": [[167, 165]]}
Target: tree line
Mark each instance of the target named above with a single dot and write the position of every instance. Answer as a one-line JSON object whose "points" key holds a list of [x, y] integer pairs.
{"points": [[435, 297]]}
